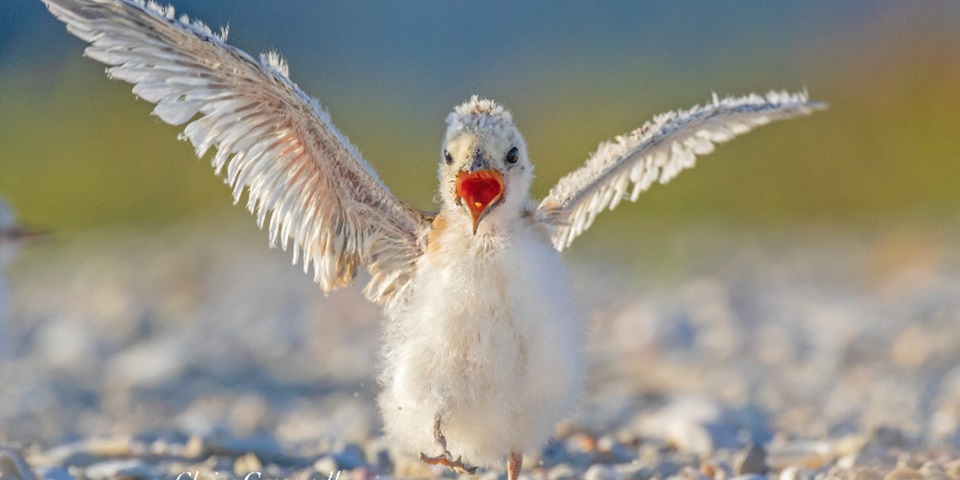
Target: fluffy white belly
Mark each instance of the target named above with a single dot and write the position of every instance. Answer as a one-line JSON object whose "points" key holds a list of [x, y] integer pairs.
{"points": [[491, 344]]}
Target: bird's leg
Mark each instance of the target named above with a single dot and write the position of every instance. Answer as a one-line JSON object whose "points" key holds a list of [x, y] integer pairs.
{"points": [[513, 465], [446, 458]]}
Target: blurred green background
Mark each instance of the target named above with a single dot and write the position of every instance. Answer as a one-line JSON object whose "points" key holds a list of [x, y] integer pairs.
{"points": [[78, 152]]}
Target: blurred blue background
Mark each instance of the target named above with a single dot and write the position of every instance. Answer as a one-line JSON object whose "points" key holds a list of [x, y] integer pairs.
{"points": [[78, 152]]}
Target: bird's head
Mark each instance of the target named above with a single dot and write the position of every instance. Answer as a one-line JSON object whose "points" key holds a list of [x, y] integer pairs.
{"points": [[484, 169], [11, 234]]}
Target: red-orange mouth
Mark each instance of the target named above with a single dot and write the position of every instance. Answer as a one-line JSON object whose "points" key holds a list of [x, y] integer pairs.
{"points": [[479, 190]]}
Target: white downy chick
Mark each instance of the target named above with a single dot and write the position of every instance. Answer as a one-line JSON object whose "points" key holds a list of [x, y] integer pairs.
{"points": [[483, 346]]}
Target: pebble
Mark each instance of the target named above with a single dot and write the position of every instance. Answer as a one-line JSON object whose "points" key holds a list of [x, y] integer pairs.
{"points": [[953, 469], [130, 468], [350, 457], [362, 473], [601, 472], [562, 472], [266, 448], [377, 454], [903, 473], [635, 471], [326, 465], [717, 470], [194, 447], [754, 460], [609, 450], [13, 466], [849, 461], [649, 431], [701, 425], [801, 454], [553, 453], [866, 474], [52, 473], [791, 473], [247, 463], [690, 473]]}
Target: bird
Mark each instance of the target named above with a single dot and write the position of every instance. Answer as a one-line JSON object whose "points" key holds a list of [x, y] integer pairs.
{"points": [[11, 234], [483, 348], [12, 237]]}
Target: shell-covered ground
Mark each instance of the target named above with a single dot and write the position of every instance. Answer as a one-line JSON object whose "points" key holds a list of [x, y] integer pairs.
{"points": [[198, 352]]}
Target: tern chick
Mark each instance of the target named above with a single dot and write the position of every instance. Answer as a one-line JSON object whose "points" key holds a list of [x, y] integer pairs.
{"points": [[483, 347]]}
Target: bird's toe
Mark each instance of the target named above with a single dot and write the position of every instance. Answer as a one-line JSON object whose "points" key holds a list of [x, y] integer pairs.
{"points": [[447, 460]]}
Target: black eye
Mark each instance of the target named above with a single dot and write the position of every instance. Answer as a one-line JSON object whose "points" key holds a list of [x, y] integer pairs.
{"points": [[512, 156], [447, 157]]}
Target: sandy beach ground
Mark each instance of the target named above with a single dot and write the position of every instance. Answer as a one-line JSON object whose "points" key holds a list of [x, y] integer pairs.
{"points": [[200, 352]]}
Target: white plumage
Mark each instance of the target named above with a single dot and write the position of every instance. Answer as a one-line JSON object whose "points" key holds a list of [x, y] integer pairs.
{"points": [[489, 340], [482, 353], [657, 151]]}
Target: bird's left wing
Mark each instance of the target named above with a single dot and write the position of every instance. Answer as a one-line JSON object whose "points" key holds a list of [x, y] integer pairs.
{"points": [[657, 151], [272, 140]]}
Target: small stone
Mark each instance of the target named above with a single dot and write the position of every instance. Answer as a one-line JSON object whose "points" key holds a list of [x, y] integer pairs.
{"points": [[117, 468], [690, 473], [247, 463], [849, 461], [930, 467], [581, 442], [717, 470], [601, 472], [266, 448], [889, 437], [953, 469], [326, 465], [847, 445], [790, 473], [635, 471], [351, 457], [801, 454], [752, 476], [553, 454], [52, 473], [903, 473], [13, 466], [611, 451], [110, 447], [867, 474], [362, 473], [666, 468], [752, 461], [194, 447], [562, 472], [709, 469], [378, 454]]}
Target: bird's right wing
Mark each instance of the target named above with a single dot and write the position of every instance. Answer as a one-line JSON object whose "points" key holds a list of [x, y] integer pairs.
{"points": [[657, 151], [273, 141]]}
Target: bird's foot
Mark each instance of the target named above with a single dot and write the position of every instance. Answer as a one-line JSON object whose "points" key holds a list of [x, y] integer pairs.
{"points": [[447, 460]]}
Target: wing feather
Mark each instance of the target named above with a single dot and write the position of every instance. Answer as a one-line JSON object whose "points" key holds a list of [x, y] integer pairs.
{"points": [[656, 152], [304, 180]]}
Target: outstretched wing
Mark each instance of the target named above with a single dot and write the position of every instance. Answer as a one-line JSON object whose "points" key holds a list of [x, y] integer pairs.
{"points": [[657, 151], [271, 140]]}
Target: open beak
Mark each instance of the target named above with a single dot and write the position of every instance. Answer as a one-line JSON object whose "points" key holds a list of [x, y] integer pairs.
{"points": [[480, 190]]}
